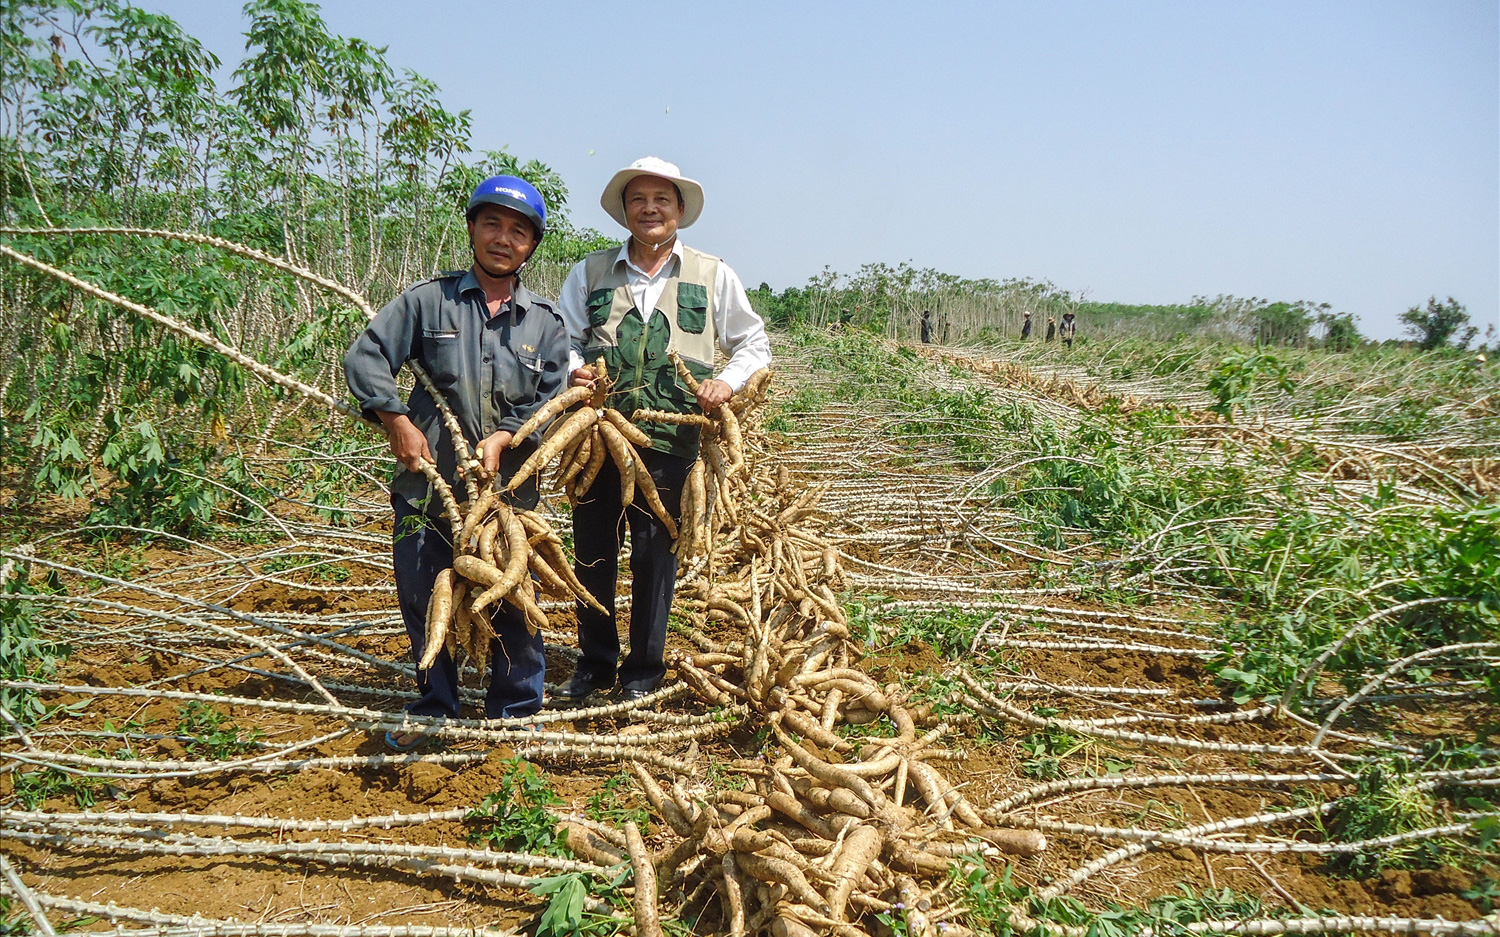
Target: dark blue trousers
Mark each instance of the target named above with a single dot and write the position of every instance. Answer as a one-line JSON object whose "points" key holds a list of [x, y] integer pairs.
{"points": [[598, 528], [423, 548]]}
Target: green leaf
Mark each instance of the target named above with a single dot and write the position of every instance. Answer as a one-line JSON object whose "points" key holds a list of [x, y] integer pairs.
{"points": [[1240, 676], [564, 913]]}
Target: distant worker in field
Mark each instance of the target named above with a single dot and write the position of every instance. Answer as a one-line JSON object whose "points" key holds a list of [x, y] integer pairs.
{"points": [[926, 326], [1026, 325], [1068, 328], [1051, 328], [632, 305], [496, 352]]}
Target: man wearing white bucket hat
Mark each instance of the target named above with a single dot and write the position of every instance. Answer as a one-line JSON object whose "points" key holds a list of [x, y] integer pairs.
{"points": [[632, 305]]}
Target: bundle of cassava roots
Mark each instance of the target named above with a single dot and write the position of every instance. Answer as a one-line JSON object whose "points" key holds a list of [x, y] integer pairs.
{"points": [[827, 823]]}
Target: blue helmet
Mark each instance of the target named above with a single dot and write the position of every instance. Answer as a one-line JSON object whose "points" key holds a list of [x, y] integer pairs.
{"points": [[514, 193]]}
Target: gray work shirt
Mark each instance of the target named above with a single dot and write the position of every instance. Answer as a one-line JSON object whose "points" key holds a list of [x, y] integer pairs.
{"points": [[494, 371]]}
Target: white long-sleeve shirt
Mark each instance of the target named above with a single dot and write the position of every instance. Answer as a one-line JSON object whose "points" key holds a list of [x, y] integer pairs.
{"points": [[741, 332]]}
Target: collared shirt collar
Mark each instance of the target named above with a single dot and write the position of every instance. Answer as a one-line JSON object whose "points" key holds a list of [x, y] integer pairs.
{"points": [[520, 295], [624, 257]]}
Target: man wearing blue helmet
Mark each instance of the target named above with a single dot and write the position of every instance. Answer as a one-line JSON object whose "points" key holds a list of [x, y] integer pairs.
{"points": [[496, 352]]}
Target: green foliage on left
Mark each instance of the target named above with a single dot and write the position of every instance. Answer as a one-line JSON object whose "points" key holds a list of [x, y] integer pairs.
{"points": [[24, 654], [317, 150]]}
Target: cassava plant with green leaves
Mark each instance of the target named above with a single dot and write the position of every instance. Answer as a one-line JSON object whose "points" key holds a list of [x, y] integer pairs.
{"points": [[314, 149]]}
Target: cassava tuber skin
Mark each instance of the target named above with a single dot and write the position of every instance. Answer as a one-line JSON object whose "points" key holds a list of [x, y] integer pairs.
{"points": [[785, 926], [488, 531], [625, 461], [734, 895], [941, 795], [780, 872], [916, 908], [439, 617], [499, 585], [558, 561], [589, 846], [683, 374], [1015, 842], [789, 806], [568, 398], [805, 726], [660, 802], [832, 774], [585, 479], [477, 511], [629, 430], [676, 419], [579, 422], [861, 847], [575, 466], [647, 488]]}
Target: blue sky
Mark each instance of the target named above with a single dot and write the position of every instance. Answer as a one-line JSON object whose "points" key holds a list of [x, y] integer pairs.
{"points": [[1346, 153]]}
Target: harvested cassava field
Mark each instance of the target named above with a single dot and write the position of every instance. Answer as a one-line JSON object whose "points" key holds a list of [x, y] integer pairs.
{"points": [[1136, 637], [917, 686]]}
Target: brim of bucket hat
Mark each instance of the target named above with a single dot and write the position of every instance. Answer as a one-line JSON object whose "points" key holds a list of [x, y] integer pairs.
{"points": [[613, 199]]}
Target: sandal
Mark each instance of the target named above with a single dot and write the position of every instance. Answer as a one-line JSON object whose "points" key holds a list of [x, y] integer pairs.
{"points": [[413, 740]]}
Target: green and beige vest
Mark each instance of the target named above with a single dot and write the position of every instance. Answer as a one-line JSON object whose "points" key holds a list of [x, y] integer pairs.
{"points": [[635, 351]]}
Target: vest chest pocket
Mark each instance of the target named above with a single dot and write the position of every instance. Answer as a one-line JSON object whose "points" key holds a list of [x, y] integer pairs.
{"points": [[598, 307], [692, 307], [440, 355]]}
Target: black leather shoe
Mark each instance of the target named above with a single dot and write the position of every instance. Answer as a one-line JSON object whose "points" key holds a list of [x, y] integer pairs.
{"points": [[578, 688], [631, 694]]}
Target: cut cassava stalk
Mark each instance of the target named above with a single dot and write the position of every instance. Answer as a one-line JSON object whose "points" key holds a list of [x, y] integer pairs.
{"points": [[460, 443]]}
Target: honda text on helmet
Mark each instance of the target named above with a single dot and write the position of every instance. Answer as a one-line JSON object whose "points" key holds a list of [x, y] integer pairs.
{"points": [[514, 193]]}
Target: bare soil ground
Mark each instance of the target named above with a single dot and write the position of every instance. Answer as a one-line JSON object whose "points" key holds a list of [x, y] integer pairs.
{"points": [[910, 540]]}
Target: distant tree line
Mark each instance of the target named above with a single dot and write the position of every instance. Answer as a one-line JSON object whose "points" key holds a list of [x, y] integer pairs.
{"points": [[891, 300]]}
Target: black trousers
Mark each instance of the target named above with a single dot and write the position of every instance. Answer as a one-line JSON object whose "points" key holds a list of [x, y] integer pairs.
{"points": [[598, 529], [422, 548]]}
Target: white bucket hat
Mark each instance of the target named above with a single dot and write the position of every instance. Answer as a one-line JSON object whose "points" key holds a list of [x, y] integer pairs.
{"points": [[613, 199]]}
